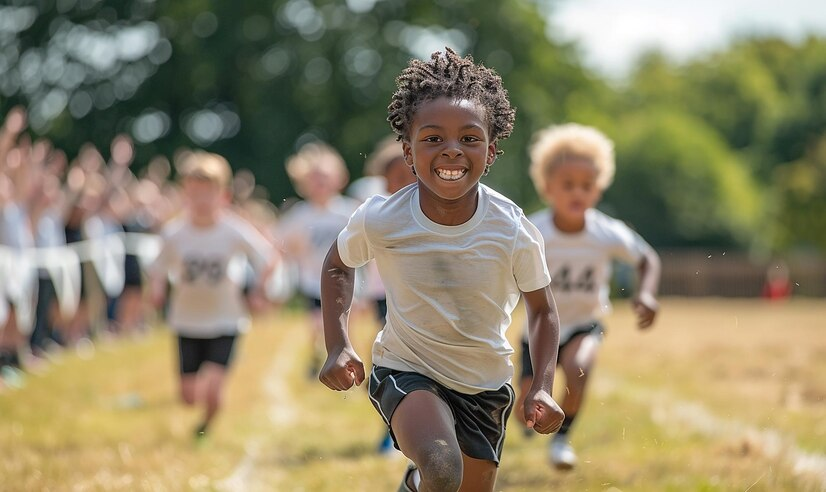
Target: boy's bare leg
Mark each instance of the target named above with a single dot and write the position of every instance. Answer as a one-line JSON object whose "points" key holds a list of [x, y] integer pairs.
{"points": [[424, 429], [189, 385], [214, 376], [479, 475], [317, 342], [577, 360]]}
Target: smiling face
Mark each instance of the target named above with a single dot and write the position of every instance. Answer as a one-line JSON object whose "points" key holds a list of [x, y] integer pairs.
{"points": [[449, 147], [571, 188]]}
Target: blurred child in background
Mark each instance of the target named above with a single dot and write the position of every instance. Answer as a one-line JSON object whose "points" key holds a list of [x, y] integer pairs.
{"points": [[571, 166], [15, 236], [207, 309], [311, 225]]}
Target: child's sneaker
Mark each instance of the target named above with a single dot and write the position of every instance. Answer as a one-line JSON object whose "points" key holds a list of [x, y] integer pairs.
{"points": [[408, 476], [562, 454], [201, 431]]}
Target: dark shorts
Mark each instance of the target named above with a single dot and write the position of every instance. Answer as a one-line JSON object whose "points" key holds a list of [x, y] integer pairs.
{"points": [[195, 351], [481, 419], [132, 272], [313, 303], [589, 329]]}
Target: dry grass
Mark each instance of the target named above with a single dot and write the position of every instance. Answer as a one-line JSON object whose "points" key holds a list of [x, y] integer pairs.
{"points": [[721, 396]]}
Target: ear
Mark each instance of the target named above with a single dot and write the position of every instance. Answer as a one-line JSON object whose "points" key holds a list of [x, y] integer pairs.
{"points": [[407, 151], [491, 155]]}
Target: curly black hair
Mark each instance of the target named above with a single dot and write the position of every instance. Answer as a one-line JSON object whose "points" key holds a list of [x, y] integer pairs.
{"points": [[449, 75]]}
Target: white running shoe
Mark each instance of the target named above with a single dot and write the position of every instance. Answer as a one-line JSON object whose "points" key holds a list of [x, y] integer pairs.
{"points": [[562, 454]]}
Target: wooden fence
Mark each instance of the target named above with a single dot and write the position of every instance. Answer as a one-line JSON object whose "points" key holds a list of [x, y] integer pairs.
{"points": [[735, 274]]}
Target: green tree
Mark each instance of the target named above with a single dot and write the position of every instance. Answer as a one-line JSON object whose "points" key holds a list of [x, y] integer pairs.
{"points": [[679, 184], [253, 80]]}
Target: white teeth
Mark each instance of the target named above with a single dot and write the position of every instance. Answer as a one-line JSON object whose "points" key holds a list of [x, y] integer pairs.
{"points": [[452, 174]]}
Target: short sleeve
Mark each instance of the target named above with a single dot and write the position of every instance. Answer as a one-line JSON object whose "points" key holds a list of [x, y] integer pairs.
{"points": [[529, 267], [629, 247], [353, 244], [255, 246]]}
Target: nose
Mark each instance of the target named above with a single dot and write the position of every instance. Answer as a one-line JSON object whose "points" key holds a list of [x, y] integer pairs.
{"points": [[452, 150]]}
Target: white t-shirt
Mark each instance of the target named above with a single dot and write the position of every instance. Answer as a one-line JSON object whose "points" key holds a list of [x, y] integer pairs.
{"points": [[318, 227], [581, 264], [49, 233], [16, 238], [207, 268], [450, 289], [14, 227]]}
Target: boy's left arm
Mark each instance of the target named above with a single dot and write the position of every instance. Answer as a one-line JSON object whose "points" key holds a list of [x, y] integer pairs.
{"points": [[541, 411], [645, 302], [264, 258]]}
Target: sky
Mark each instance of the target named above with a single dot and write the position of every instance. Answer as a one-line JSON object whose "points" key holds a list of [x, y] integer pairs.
{"points": [[612, 33]]}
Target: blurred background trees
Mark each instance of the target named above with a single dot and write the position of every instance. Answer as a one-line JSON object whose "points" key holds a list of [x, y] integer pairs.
{"points": [[727, 150]]}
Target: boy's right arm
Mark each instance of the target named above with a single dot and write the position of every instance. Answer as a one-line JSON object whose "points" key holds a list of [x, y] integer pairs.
{"points": [[343, 367], [540, 410], [158, 273]]}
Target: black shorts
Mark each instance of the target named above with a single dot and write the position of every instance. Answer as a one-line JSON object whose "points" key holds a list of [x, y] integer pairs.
{"points": [[481, 419], [132, 272], [195, 351], [595, 328]]}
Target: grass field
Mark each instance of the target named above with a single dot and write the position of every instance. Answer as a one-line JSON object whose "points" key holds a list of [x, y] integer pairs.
{"points": [[722, 395]]}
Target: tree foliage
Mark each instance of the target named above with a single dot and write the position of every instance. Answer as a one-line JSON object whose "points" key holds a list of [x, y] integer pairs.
{"points": [[724, 149]]}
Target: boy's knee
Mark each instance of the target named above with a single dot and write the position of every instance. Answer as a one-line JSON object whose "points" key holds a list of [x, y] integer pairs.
{"points": [[188, 398], [187, 393], [441, 467]]}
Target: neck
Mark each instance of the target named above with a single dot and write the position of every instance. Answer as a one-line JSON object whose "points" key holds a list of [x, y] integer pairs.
{"points": [[204, 220], [569, 225], [448, 212], [322, 201]]}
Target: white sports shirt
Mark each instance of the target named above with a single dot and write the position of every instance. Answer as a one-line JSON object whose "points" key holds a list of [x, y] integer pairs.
{"points": [[320, 226], [581, 264], [450, 289], [206, 267]]}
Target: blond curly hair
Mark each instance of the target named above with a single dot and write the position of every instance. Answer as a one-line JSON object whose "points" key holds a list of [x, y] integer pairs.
{"points": [[561, 143], [316, 156]]}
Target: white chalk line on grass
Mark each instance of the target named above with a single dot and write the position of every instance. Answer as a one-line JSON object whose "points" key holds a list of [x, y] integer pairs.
{"points": [[282, 413], [769, 442], [666, 411]]}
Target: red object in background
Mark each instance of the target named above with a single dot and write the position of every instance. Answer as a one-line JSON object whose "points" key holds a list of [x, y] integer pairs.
{"points": [[774, 290], [778, 286]]}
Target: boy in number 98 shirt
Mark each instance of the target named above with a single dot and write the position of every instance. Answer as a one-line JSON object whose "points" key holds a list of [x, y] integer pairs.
{"points": [[203, 256]]}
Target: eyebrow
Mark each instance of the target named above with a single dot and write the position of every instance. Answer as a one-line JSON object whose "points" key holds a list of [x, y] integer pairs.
{"points": [[437, 127]]}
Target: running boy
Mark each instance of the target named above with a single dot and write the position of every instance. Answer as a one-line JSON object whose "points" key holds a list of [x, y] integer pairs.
{"points": [[201, 254], [454, 256], [571, 165]]}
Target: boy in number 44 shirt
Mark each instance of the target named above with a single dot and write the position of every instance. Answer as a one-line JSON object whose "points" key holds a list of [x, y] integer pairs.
{"points": [[571, 165]]}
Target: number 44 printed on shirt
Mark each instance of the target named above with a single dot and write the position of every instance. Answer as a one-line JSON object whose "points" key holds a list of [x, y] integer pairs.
{"points": [[565, 280]]}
